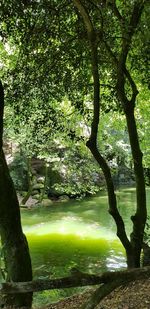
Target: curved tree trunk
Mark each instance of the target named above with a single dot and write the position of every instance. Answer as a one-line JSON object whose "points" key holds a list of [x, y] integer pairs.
{"points": [[134, 245], [128, 105], [92, 142], [14, 244]]}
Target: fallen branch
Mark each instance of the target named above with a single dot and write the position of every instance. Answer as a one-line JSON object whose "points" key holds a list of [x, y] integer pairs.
{"points": [[123, 279], [100, 293], [76, 279]]}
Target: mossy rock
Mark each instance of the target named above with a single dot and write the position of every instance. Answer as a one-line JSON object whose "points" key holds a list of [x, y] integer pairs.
{"points": [[38, 186], [46, 203], [35, 192], [45, 196], [64, 198], [36, 196]]}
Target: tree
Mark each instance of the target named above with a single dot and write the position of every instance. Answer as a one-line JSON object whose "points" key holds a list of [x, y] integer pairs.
{"points": [[126, 91], [41, 114], [112, 29], [14, 244]]}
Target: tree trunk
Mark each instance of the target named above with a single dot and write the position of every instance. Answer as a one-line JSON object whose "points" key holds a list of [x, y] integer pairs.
{"points": [[123, 75], [139, 219], [92, 142], [134, 245], [14, 244]]}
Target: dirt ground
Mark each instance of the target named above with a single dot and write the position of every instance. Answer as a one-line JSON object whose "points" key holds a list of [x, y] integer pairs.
{"points": [[134, 295]]}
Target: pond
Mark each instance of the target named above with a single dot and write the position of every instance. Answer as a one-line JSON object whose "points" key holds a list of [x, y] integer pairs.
{"points": [[77, 234]]}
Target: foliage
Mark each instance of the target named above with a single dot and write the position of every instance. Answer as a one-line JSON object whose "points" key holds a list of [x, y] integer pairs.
{"points": [[18, 171], [144, 125], [50, 89], [80, 175]]}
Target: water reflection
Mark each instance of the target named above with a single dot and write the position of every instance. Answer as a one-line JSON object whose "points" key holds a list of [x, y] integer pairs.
{"points": [[114, 262]]}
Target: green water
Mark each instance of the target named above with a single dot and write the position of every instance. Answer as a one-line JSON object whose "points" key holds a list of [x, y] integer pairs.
{"points": [[77, 234]]}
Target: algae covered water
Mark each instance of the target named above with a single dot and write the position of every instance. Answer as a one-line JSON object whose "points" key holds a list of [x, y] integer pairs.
{"points": [[77, 234]]}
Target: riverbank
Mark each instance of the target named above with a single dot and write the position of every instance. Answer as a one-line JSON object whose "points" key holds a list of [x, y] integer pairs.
{"points": [[134, 295]]}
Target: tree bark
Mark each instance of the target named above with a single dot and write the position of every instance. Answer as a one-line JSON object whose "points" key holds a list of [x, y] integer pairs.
{"points": [[139, 219], [14, 244], [101, 293], [77, 279], [92, 142], [134, 245]]}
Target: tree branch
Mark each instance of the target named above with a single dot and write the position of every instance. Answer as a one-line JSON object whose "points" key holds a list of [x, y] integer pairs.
{"points": [[101, 293], [85, 16], [129, 31], [75, 280], [126, 43], [91, 33], [127, 74], [116, 11]]}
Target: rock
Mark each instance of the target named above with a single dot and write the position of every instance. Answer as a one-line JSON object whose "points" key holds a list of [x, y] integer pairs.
{"points": [[64, 198], [31, 202], [36, 196], [45, 196], [38, 186], [35, 192], [46, 202]]}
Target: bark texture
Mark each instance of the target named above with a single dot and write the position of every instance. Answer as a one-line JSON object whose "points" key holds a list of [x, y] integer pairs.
{"points": [[133, 245], [108, 281], [128, 105], [15, 249], [92, 142]]}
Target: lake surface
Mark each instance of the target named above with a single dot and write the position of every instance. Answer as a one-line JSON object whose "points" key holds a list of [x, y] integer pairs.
{"points": [[77, 234]]}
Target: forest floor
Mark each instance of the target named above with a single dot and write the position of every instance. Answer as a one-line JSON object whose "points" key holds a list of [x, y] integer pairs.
{"points": [[135, 295]]}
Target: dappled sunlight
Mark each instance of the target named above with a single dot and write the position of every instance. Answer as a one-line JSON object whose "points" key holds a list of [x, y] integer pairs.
{"points": [[70, 225], [114, 261]]}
